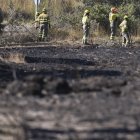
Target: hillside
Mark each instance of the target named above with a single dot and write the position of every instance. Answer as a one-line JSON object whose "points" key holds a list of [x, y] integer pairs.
{"points": [[22, 5], [69, 12], [60, 89]]}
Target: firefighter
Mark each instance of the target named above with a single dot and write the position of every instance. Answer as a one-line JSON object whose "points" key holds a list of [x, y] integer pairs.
{"points": [[36, 23], [44, 25], [125, 31], [86, 26], [113, 21]]}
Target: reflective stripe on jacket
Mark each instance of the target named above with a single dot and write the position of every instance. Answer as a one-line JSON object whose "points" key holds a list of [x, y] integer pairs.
{"points": [[86, 20], [124, 26], [112, 16], [43, 18]]}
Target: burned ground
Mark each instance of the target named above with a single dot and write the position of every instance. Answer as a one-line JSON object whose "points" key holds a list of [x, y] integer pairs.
{"points": [[69, 93]]}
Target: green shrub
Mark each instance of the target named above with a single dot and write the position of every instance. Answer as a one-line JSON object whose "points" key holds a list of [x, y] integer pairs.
{"points": [[133, 12], [100, 13]]}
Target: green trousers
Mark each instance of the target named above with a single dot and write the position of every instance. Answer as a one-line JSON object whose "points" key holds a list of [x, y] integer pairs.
{"points": [[43, 32], [85, 34]]}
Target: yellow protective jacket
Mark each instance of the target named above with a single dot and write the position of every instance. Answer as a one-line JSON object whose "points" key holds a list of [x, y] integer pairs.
{"points": [[43, 19], [86, 20], [112, 17], [124, 26]]}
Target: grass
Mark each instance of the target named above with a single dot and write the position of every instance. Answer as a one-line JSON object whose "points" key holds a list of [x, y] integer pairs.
{"points": [[136, 39], [56, 6], [15, 58], [59, 8], [23, 5]]}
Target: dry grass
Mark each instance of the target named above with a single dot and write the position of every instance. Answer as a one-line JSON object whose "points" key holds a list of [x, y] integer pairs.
{"points": [[16, 58], [65, 34], [75, 34], [22, 5], [136, 39], [57, 6]]}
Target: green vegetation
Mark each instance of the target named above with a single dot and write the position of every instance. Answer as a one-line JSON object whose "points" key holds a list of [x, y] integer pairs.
{"points": [[101, 8], [67, 14]]}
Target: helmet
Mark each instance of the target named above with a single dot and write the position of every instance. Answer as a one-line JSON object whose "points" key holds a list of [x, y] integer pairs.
{"points": [[44, 10], [87, 11], [114, 9], [125, 17]]}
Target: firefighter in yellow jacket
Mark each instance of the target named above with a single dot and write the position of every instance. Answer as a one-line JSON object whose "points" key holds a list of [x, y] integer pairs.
{"points": [[125, 31], [44, 25], [86, 26], [113, 21]]}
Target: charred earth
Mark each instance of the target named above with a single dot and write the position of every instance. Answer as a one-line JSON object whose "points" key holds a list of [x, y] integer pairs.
{"points": [[69, 93]]}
